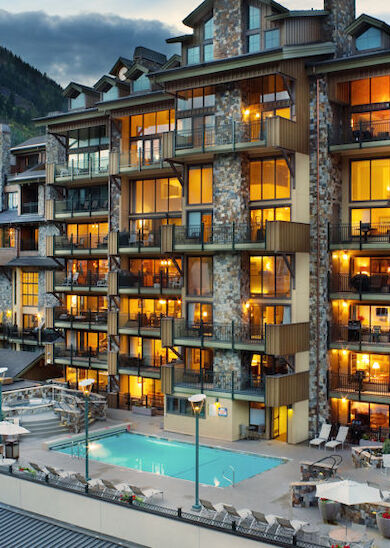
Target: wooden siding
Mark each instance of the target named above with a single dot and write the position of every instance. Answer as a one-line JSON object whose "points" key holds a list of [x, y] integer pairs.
{"points": [[112, 363], [7, 254], [166, 238], [168, 145], [113, 243], [79, 124], [50, 170], [49, 207], [166, 332], [281, 340], [286, 389], [113, 165], [302, 30], [167, 379], [112, 283], [112, 323], [286, 134], [49, 246], [49, 281], [49, 315], [284, 236], [49, 353]]}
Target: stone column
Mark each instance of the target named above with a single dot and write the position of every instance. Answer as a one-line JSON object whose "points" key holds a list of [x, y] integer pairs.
{"points": [[325, 200], [341, 14], [5, 159], [228, 25]]}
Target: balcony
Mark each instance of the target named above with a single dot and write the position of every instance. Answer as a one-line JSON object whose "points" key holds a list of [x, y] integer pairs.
{"points": [[140, 367], [29, 208], [359, 386], [359, 337], [90, 170], [77, 209], [91, 244], [274, 236], [80, 319], [139, 324], [148, 157], [360, 236], [87, 357], [366, 134], [360, 286], [161, 283], [77, 282], [34, 336]]}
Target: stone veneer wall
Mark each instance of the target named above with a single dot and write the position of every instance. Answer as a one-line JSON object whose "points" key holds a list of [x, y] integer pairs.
{"points": [[341, 14], [5, 158], [228, 34], [230, 202], [329, 212]]}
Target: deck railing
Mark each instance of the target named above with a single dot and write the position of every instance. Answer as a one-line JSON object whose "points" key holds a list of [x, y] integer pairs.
{"points": [[359, 233], [80, 280], [139, 280], [355, 333], [88, 206], [78, 242], [363, 131], [359, 382], [359, 283]]}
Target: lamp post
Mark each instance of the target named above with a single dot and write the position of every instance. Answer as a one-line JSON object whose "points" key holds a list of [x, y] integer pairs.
{"points": [[86, 386], [3, 371], [197, 403]]}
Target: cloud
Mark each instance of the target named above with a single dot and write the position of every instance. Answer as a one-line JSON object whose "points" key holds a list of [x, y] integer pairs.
{"points": [[79, 47]]}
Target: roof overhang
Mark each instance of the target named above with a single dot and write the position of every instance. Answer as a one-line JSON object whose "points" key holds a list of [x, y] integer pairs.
{"points": [[350, 63], [365, 21]]}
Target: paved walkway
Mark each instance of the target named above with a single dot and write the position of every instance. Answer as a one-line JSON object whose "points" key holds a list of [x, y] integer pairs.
{"points": [[267, 492]]}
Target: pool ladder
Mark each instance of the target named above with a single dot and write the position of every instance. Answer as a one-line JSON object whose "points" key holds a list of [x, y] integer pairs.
{"points": [[75, 450], [231, 480]]}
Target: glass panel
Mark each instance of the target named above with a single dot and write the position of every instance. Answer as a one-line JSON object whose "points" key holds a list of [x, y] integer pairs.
{"points": [[175, 195], [193, 55], [380, 215], [194, 185], [272, 38], [255, 275], [268, 180], [207, 185], [360, 92], [184, 100], [253, 43], [197, 101], [253, 17], [209, 29], [209, 97], [136, 126], [149, 196], [193, 274], [380, 179], [255, 180], [282, 214], [207, 276], [163, 121], [208, 53], [380, 89], [162, 189], [370, 39], [142, 83], [282, 179], [150, 123], [268, 89], [269, 276], [360, 180]]}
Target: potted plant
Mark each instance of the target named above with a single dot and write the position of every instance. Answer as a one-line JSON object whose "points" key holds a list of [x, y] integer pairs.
{"points": [[383, 523], [127, 497], [386, 447], [328, 509]]}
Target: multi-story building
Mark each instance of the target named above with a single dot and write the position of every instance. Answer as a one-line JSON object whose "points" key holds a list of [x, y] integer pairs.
{"points": [[193, 202]]}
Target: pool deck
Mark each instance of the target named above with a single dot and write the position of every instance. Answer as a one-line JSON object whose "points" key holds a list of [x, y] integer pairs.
{"points": [[267, 492]]}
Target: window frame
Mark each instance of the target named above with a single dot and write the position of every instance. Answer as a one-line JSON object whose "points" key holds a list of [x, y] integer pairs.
{"points": [[275, 160], [370, 160], [275, 294], [202, 167], [30, 288], [201, 259]]}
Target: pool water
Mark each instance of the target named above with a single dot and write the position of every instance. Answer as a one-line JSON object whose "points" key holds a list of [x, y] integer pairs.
{"points": [[173, 458]]}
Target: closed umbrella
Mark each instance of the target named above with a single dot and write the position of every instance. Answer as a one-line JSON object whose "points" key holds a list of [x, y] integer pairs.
{"points": [[11, 429]]}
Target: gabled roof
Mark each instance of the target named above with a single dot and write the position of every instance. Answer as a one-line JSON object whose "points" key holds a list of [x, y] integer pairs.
{"points": [[205, 7], [74, 89], [172, 62], [106, 82], [33, 142], [364, 22], [297, 13], [120, 62], [136, 71]]}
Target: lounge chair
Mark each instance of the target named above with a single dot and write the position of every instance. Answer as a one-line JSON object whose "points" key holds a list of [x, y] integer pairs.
{"points": [[285, 526], [340, 438], [323, 435], [386, 463], [210, 508], [147, 494], [259, 519], [236, 515], [37, 468], [109, 486], [58, 474]]}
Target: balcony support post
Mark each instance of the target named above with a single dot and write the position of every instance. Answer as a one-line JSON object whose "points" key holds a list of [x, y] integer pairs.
{"points": [[290, 268], [360, 235], [233, 235]]}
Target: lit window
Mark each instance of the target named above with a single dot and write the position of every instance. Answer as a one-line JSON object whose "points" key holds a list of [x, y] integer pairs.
{"points": [[200, 185], [272, 39], [30, 288], [370, 39], [12, 200], [193, 55]]}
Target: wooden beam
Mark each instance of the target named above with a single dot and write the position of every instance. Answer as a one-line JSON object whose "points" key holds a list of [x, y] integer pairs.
{"points": [[177, 173], [180, 271]]}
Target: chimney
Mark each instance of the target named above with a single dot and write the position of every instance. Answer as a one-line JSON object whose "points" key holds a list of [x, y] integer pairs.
{"points": [[228, 34], [341, 14]]}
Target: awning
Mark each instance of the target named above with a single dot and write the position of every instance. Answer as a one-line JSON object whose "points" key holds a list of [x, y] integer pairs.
{"points": [[36, 262]]}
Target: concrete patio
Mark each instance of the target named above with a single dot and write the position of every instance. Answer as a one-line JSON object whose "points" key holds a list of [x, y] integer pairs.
{"points": [[267, 492]]}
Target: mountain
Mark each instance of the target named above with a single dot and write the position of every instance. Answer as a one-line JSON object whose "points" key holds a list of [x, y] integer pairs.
{"points": [[25, 93]]}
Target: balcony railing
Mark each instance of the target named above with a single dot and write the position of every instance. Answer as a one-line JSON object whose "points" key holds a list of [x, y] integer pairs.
{"points": [[360, 233], [33, 335], [360, 283], [74, 316], [148, 153], [159, 281], [142, 366], [364, 131], [87, 207], [80, 243], [358, 382], [30, 208], [357, 334], [204, 379], [77, 280], [229, 333], [139, 321], [87, 355], [88, 169]]}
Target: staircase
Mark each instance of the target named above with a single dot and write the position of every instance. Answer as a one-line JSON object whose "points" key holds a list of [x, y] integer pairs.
{"points": [[43, 425]]}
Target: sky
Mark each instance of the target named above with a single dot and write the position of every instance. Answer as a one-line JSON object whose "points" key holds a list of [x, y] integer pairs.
{"points": [[79, 40]]}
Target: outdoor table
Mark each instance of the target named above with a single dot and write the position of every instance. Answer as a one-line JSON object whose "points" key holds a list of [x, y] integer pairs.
{"points": [[310, 531], [340, 534]]}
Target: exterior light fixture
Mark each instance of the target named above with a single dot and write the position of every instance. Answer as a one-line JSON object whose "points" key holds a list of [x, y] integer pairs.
{"points": [[197, 402], [86, 387]]}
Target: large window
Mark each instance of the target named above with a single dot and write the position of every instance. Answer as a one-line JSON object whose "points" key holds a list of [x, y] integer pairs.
{"points": [[370, 180], [156, 196], [200, 312], [269, 179], [369, 90], [30, 288], [193, 55], [262, 315], [7, 237], [253, 29], [152, 123], [200, 276], [181, 406], [369, 39], [269, 276], [196, 98], [88, 137], [208, 34], [374, 216], [272, 39], [259, 217], [200, 185], [142, 83], [88, 234]]}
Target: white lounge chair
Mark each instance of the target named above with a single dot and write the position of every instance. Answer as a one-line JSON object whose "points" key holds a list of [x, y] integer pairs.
{"points": [[340, 438], [210, 508], [323, 435], [146, 494], [236, 515]]}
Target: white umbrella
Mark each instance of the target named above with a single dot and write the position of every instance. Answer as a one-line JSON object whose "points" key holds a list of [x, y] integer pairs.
{"points": [[11, 429], [348, 492]]}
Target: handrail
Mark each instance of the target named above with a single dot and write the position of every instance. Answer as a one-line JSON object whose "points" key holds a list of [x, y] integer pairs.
{"points": [[334, 458], [231, 481]]}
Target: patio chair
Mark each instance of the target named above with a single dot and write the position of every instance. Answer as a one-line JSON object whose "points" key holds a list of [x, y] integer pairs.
{"points": [[340, 438], [58, 474], [109, 486], [37, 468], [286, 526], [210, 508], [385, 464], [323, 435], [259, 519], [236, 515], [147, 494]]}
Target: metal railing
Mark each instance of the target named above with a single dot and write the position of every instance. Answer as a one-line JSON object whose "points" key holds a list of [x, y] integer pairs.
{"points": [[33, 335], [75, 315], [359, 283], [89, 355], [79, 280], [358, 382], [161, 280], [88, 206], [208, 380], [142, 366], [363, 131], [147, 154], [89, 242], [90, 168], [70, 484], [139, 321], [29, 208], [359, 233], [355, 333], [229, 333]]}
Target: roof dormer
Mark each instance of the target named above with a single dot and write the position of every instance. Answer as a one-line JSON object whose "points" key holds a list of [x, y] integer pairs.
{"points": [[369, 33], [80, 97], [111, 88]]}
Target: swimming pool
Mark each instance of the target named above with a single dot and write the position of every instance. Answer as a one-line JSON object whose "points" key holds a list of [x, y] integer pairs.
{"points": [[173, 458]]}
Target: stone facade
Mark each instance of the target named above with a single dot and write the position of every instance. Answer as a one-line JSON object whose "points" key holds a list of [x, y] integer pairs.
{"points": [[326, 183], [341, 14], [5, 159], [228, 35]]}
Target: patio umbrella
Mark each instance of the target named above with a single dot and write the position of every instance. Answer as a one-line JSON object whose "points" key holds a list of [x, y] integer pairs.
{"points": [[348, 492], [11, 429]]}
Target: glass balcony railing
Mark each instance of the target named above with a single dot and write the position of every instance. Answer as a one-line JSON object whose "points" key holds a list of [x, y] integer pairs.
{"points": [[145, 153], [89, 206], [89, 168], [362, 132], [80, 280], [360, 283]]}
